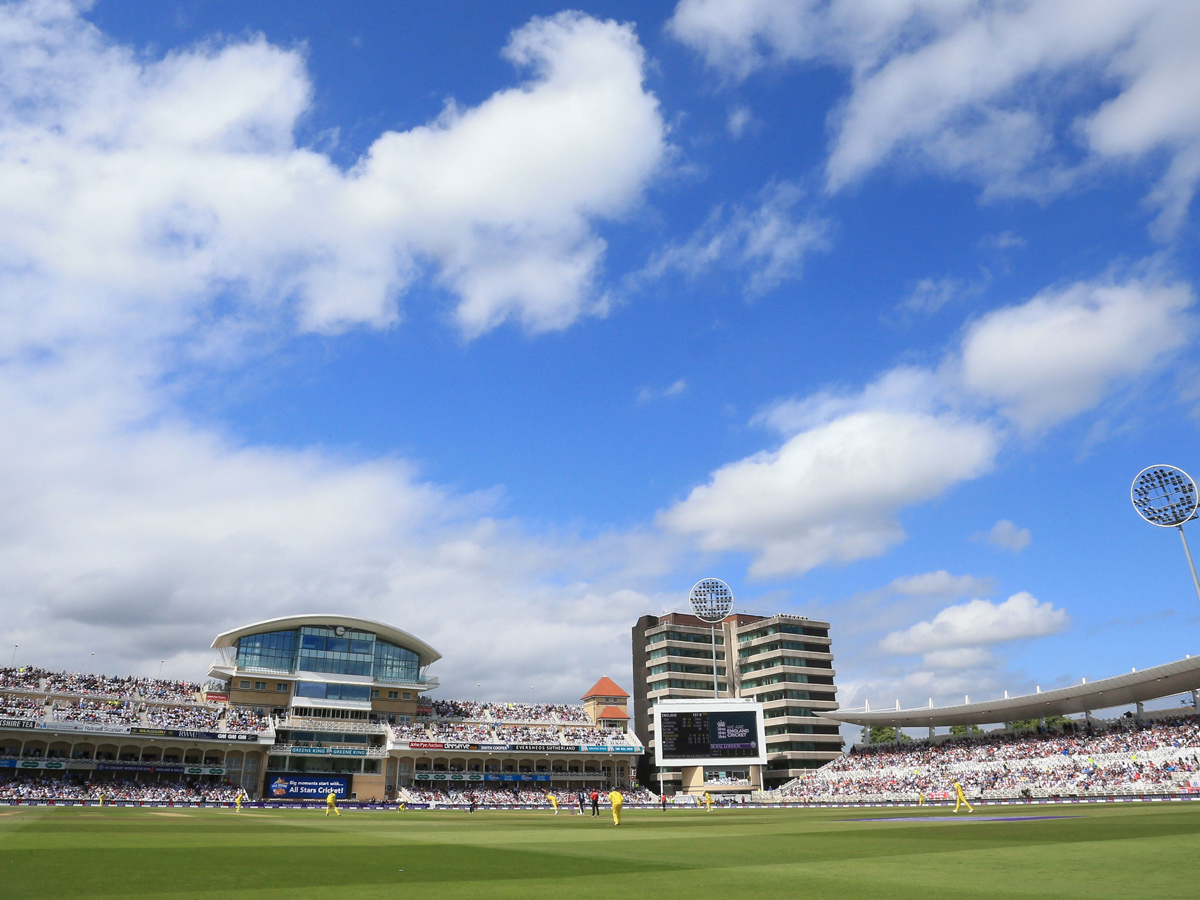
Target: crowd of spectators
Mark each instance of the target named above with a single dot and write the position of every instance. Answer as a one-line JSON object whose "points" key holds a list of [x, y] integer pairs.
{"points": [[468, 731], [1007, 763], [465, 732], [460, 709], [241, 718], [537, 712], [163, 690], [192, 718], [69, 787], [16, 706], [102, 712], [414, 731], [528, 734], [21, 678], [475, 710], [507, 797], [595, 736]]}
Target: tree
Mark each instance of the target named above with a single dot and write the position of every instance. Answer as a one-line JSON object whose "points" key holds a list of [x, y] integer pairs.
{"points": [[960, 730], [885, 734]]}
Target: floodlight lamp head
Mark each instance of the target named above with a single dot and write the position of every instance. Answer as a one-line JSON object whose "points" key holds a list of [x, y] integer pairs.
{"points": [[711, 600], [1164, 495]]}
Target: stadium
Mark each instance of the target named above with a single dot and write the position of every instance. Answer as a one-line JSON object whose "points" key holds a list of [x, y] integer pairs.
{"points": [[135, 787], [296, 708]]}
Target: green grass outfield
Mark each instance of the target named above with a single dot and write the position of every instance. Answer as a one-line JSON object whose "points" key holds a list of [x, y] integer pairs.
{"points": [[1128, 851]]}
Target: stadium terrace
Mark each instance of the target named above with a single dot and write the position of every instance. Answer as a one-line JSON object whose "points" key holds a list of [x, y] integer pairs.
{"points": [[296, 708]]}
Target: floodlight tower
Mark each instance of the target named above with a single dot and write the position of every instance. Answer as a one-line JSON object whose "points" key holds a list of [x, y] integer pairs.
{"points": [[1166, 496], [711, 600]]}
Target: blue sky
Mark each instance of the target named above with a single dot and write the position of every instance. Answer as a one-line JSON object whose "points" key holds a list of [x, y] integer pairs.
{"points": [[505, 323]]}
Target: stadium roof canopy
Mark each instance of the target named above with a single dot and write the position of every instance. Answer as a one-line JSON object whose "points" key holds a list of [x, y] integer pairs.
{"points": [[288, 623], [1121, 690]]}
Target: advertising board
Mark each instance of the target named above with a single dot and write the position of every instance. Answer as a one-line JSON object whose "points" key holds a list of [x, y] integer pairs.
{"points": [[290, 786]]}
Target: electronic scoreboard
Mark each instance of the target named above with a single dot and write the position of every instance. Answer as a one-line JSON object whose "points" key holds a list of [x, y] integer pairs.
{"points": [[709, 733]]}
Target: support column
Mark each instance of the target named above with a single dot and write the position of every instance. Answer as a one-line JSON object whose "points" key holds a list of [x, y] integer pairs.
{"points": [[1140, 711], [1195, 699]]}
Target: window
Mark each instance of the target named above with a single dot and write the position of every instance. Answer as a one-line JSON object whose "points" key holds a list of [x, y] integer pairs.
{"points": [[393, 663], [274, 650], [323, 650], [393, 695], [407, 695], [321, 690], [244, 685], [282, 687], [260, 685]]}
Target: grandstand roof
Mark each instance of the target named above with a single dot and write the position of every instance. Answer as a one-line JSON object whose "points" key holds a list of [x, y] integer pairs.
{"points": [[285, 623], [613, 712], [605, 687], [1120, 690]]}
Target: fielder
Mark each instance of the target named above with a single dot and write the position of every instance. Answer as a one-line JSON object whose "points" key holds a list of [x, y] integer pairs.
{"points": [[615, 798]]}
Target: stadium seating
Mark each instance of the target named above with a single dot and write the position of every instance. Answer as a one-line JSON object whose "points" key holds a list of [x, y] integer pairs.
{"points": [[1151, 757]]}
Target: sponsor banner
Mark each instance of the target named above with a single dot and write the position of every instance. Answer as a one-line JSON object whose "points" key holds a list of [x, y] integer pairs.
{"points": [[425, 745], [516, 776], [84, 726], [193, 735], [542, 748], [327, 751], [448, 776], [18, 723], [306, 787], [491, 747], [216, 697]]}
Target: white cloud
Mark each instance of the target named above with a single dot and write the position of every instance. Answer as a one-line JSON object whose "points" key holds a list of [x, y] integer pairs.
{"points": [[1057, 355], [929, 295], [136, 187], [141, 541], [768, 244], [674, 389], [851, 461], [831, 492], [940, 584], [960, 658], [158, 214], [1006, 535], [740, 121], [979, 623], [1016, 96]]}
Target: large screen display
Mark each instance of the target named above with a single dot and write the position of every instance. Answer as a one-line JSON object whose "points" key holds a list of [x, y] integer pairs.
{"points": [[708, 733], [286, 786]]}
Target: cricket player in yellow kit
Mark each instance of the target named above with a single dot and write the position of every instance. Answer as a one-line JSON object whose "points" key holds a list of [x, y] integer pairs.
{"points": [[331, 803], [615, 798], [553, 801], [238, 800], [707, 801], [960, 799]]}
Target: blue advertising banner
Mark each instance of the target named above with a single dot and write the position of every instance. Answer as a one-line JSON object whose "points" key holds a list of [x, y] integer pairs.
{"points": [[286, 786]]}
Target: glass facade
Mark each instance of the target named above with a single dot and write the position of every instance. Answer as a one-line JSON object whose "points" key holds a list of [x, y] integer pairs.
{"points": [[322, 650], [315, 648], [322, 690], [274, 651], [395, 664]]}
